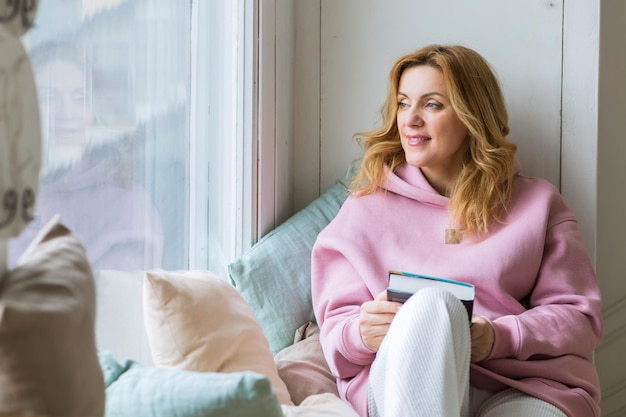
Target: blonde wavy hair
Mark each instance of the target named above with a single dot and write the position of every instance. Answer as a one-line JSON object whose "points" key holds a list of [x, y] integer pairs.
{"points": [[483, 188]]}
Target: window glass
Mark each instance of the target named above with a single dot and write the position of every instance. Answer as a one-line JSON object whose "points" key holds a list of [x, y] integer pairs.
{"points": [[114, 85]]}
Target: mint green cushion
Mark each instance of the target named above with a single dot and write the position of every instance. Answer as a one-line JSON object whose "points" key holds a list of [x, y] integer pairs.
{"points": [[135, 390], [274, 276]]}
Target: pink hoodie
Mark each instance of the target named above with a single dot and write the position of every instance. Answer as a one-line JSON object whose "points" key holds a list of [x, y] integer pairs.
{"points": [[112, 215], [534, 282]]}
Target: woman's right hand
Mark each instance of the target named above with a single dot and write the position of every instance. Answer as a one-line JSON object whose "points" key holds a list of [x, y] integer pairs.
{"points": [[375, 318]]}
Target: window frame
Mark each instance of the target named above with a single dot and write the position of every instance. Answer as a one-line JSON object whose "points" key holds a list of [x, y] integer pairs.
{"points": [[223, 34], [263, 119], [264, 126]]}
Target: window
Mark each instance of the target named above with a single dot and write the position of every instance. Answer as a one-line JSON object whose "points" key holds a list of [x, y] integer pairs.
{"points": [[144, 108]]}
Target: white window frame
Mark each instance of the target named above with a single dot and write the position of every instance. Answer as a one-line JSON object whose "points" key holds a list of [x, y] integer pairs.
{"points": [[247, 123], [261, 52], [198, 252], [234, 51]]}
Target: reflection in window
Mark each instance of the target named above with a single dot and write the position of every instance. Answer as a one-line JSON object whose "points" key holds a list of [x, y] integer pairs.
{"points": [[113, 85]]}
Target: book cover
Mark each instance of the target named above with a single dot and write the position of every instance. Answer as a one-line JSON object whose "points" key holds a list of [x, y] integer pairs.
{"points": [[404, 284]]}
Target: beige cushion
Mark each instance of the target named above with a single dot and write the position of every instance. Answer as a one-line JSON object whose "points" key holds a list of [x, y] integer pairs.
{"points": [[320, 405], [199, 322], [302, 366], [48, 358]]}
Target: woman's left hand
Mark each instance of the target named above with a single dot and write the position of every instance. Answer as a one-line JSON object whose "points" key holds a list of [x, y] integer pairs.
{"points": [[482, 336], [375, 319]]}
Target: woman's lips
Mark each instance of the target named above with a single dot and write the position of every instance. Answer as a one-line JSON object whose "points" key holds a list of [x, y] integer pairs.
{"points": [[417, 140]]}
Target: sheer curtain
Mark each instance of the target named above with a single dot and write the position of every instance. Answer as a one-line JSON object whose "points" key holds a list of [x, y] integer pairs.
{"points": [[127, 151]]}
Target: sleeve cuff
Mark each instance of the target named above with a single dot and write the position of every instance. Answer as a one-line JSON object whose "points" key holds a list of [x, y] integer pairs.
{"points": [[506, 338], [356, 350]]}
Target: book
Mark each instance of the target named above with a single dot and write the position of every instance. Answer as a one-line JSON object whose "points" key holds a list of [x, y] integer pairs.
{"points": [[404, 284]]}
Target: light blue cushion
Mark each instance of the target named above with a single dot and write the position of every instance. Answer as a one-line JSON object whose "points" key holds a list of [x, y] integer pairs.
{"points": [[135, 390], [274, 277]]}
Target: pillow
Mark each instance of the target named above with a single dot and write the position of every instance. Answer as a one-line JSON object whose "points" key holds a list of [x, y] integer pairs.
{"points": [[48, 357], [320, 405], [135, 390], [274, 276], [303, 368], [199, 322], [119, 317]]}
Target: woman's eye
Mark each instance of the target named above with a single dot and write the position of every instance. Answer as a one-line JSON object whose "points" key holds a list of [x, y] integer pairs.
{"points": [[403, 104], [433, 105]]}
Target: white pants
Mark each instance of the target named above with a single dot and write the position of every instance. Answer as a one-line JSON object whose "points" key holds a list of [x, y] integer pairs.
{"points": [[422, 367]]}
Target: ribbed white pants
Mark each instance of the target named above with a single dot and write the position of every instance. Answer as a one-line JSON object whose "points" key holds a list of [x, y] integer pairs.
{"points": [[422, 367]]}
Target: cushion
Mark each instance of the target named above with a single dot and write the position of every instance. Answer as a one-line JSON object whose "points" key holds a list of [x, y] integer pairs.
{"points": [[199, 322], [136, 390], [303, 368], [47, 317], [274, 276], [320, 405], [120, 327]]}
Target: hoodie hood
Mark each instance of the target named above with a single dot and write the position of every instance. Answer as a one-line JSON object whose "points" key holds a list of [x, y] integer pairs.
{"points": [[99, 167], [409, 181]]}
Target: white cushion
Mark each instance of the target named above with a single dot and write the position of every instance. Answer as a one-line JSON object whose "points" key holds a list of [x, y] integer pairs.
{"points": [[320, 405], [119, 321]]}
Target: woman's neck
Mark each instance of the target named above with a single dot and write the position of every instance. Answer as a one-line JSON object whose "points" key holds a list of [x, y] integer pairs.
{"points": [[443, 184]]}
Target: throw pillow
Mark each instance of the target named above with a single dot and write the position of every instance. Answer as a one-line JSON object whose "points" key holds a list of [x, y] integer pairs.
{"points": [[135, 390], [274, 276], [198, 321], [303, 368], [48, 358], [119, 317], [320, 405]]}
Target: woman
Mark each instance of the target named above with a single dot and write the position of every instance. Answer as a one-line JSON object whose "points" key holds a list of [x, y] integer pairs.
{"points": [[439, 193], [87, 170]]}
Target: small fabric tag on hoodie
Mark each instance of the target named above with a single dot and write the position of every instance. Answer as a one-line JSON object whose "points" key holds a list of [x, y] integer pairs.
{"points": [[453, 236]]}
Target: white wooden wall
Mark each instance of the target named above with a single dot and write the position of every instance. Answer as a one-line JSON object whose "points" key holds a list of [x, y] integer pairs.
{"points": [[565, 93], [357, 50], [611, 209]]}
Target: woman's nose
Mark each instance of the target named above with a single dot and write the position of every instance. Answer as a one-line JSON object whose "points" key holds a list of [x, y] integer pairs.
{"points": [[67, 107], [414, 118]]}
